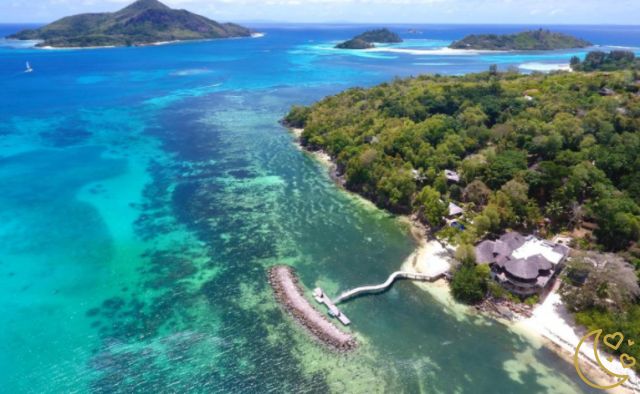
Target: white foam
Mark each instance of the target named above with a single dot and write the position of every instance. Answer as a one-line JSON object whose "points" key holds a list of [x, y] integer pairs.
{"points": [[435, 52], [545, 66]]}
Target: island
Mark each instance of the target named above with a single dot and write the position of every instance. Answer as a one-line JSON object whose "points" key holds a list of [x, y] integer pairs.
{"points": [[530, 40], [521, 178], [144, 22], [367, 39]]}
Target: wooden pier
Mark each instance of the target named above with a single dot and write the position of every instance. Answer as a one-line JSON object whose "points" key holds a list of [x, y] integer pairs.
{"points": [[385, 285], [322, 298]]}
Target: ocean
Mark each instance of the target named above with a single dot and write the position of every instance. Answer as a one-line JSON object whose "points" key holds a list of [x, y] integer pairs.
{"points": [[145, 191]]}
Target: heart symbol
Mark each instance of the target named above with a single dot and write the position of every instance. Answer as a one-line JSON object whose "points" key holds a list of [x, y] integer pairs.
{"points": [[628, 358], [606, 337], [610, 359], [631, 342]]}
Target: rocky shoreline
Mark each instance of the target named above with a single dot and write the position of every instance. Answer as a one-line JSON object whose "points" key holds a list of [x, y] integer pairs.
{"points": [[290, 295], [504, 309]]}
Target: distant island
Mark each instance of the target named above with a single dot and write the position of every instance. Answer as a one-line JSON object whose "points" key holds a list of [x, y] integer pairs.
{"points": [[530, 40], [141, 23], [367, 39]]}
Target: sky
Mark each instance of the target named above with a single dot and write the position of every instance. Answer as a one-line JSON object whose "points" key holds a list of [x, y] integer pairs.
{"points": [[621, 12]]}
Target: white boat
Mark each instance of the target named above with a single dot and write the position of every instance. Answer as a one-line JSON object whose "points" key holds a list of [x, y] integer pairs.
{"points": [[29, 69]]}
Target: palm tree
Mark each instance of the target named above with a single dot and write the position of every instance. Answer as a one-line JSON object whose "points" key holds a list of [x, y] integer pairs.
{"points": [[554, 209]]}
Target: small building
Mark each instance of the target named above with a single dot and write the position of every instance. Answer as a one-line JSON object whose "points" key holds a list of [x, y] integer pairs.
{"points": [[452, 176], [454, 210], [373, 140], [524, 265], [607, 92]]}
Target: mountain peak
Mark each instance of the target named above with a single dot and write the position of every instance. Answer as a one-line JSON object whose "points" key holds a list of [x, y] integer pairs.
{"points": [[143, 5]]}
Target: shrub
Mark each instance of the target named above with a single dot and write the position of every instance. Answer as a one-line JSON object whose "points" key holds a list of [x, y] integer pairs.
{"points": [[531, 301]]}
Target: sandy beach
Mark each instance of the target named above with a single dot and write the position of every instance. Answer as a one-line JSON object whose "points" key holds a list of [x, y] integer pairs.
{"points": [[552, 322]]}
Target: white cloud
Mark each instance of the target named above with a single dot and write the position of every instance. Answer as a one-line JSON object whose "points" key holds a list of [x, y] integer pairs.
{"points": [[534, 12], [556, 11]]}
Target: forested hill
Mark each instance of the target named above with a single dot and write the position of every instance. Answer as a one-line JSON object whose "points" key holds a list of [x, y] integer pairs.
{"points": [[531, 40], [528, 148], [367, 39], [143, 22]]}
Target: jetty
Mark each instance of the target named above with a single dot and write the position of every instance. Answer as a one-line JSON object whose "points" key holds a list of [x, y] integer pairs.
{"points": [[289, 294], [385, 285], [322, 298]]}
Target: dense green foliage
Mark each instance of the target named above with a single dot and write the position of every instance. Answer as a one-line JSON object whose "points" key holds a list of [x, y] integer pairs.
{"points": [[602, 291], [469, 282], [367, 39], [143, 22], [536, 40], [394, 140], [602, 61]]}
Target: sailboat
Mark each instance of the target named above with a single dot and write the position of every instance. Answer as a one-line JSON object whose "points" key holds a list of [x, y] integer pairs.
{"points": [[29, 69]]}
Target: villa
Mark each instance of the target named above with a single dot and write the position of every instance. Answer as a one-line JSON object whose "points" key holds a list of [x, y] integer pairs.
{"points": [[452, 176], [524, 265]]}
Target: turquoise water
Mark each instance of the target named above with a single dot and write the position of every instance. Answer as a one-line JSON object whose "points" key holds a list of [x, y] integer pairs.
{"points": [[146, 190]]}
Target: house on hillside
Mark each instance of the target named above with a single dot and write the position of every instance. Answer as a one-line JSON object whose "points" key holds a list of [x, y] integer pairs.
{"points": [[373, 140], [454, 210], [524, 265], [452, 176], [607, 92]]}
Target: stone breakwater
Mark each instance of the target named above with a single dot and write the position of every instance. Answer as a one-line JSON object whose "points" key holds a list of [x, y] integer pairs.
{"points": [[289, 293]]}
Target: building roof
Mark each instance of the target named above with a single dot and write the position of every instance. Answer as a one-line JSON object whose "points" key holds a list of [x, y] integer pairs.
{"points": [[522, 269], [523, 257], [454, 209], [484, 252], [607, 92], [513, 239], [373, 140], [502, 248], [452, 175]]}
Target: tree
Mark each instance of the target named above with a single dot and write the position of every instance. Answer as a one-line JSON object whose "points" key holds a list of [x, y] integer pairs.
{"points": [[618, 223], [517, 192], [468, 283], [466, 254], [569, 127], [481, 225], [503, 167], [554, 209], [440, 184], [477, 192], [431, 205], [396, 187], [609, 282], [574, 62]]}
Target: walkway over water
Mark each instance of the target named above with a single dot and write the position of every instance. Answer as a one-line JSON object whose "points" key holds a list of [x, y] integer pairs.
{"points": [[385, 285]]}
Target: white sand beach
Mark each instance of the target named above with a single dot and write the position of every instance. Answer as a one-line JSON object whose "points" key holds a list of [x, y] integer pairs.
{"points": [[556, 326]]}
